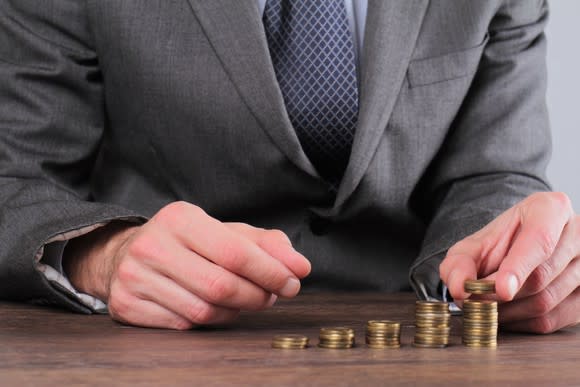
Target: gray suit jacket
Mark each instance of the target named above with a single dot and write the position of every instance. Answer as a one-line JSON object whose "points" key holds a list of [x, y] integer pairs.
{"points": [[111, 109]]}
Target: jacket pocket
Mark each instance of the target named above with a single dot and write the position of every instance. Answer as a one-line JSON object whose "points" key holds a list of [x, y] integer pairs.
{"points": [[458, 64]]}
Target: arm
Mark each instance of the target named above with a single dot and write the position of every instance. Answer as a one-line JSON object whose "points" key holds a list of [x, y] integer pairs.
{"points": [[178, 269], [499, 143], [51, 124]]}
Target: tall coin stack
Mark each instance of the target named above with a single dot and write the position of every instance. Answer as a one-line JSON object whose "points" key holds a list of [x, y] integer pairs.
{"points": [[383, 334], [432, 321], [480, 317], [336, 338]]}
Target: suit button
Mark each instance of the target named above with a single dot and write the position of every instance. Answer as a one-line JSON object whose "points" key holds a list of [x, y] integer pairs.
{"points": [[319, 226]]}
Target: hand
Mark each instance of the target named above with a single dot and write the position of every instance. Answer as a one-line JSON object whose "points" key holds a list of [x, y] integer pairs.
{"points": [[184, 268], [532, 251]]}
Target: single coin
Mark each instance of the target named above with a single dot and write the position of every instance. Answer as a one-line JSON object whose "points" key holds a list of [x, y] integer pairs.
{"points": [[421, 345], [479, 304], [335, 346], [432, 305], [379, 346]]}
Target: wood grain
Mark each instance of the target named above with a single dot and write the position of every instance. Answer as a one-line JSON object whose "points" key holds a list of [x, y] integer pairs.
{"points": [[43, 346]]}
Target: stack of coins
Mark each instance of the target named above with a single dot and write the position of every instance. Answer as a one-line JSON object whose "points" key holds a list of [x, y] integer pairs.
{"points": [[480, 323], [480, 318], [432, 321], [336, 338], [383, 334], [479, 286], [290, 342]]}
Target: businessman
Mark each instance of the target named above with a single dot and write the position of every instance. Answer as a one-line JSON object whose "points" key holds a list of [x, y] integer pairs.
{"points": [[173, 162]]}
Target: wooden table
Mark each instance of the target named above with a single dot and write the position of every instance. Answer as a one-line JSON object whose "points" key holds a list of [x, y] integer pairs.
{"points": [[43, 346]]}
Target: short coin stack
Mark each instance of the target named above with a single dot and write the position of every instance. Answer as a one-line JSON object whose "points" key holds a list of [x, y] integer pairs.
{"points": [[383, 334], [290, 342], [336, 338], [480, 317], [432, 321], [479, 286]]}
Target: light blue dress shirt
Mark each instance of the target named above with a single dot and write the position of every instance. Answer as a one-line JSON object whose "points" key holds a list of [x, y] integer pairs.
{"points": [[356, 12]]}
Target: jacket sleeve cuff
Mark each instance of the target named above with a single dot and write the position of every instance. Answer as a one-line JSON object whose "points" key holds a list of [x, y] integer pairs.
{"points": [[48, 261]]}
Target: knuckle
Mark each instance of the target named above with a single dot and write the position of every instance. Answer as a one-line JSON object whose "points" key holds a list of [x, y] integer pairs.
{"points": [[178, 214], [546, 241], [126, 272], [119, 306], [545, 301], [144, 246], [233, 256], [539, 278], [200, 313], [170, 213], [277, 236], [561, 200], [219, 289]]}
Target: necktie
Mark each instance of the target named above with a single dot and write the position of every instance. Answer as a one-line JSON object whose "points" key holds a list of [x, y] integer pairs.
{"points": [[313, 56]]}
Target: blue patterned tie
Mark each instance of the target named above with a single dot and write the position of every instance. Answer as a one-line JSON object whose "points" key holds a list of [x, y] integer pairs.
{"points": [[313, 56]]}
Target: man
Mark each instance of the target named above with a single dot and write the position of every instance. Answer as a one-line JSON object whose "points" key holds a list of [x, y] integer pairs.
{"points": [[151, 152]]}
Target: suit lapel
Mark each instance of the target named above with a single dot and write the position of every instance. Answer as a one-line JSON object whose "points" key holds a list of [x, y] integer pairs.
{"points": [[235, 31], [391, 30]]}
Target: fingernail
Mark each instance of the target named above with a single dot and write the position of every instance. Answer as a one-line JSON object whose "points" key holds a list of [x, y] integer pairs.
{"points": [[291, 288], [512, 285], [272, 300]]}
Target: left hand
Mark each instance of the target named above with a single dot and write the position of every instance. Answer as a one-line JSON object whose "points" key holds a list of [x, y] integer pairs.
{"points": [[532, 251]]}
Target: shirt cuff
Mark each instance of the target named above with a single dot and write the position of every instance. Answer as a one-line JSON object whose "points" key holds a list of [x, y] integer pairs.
{"points": [[48, 261]]}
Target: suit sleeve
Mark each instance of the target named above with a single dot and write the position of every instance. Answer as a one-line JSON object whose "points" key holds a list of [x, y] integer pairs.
{"points": [[51, 126], [498, 147]]}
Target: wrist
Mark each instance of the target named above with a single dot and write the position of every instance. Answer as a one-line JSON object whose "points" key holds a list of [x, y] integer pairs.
{"points": [[89, 260]]}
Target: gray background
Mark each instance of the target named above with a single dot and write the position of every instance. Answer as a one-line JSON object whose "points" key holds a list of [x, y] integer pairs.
{"points": [[564, 96]]}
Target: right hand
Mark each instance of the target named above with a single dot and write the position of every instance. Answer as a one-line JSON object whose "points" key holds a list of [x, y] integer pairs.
{"points": [[184, 268]]}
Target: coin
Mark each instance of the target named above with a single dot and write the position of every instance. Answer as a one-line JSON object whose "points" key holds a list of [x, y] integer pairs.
{"points": [[432, 319], [336, 338], [290, 342], [480, 317], [479, 286], [383, 334]]}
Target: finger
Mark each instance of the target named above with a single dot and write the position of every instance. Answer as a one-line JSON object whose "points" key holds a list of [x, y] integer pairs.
{"points": [[567, 249], [543, 218], [480, 254], [192, 272], [214, 241], [458, 266], [277, 244], [128, 309], [545, 301], [565, 315], [166, 293]]}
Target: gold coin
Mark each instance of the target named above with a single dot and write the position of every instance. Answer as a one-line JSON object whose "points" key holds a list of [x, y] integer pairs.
{"points": [[383, 324], [432, 305], [421, 345], [379, 346], [370, 340], [335, 346], [337, 330], [479, 286], [290, 342], [470, 304]]}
